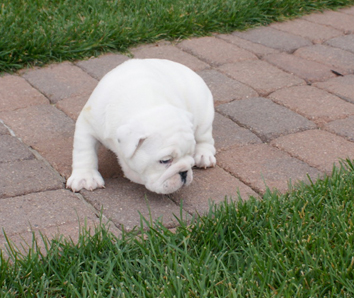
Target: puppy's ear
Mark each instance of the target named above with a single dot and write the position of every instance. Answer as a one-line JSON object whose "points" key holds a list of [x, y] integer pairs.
{"points": [[130, 137]]}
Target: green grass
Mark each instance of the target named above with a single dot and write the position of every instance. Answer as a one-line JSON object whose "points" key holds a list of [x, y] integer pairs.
{"points": [[298, 244], [36, 32]]}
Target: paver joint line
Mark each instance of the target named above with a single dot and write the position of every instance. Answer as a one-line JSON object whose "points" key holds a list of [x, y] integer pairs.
{"points": [[284, 102]]}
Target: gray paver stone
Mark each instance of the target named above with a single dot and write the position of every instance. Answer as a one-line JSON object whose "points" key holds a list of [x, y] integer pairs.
{"points": [[340, 21], [59, 81], [12, 149], [310, 71], [315, 32], [122, 201], [261, 165], [211, 186], [318, 148], [258, 49], [313, 103], [261, 76], [340, 61], [349, 10], [215, 51], [265, 118], [342, 127], [23, 177], [345, 42], [227, 133], [16, 93], [225, 89], [273, 38], [169, 52], [343, 87], [98, 67]]}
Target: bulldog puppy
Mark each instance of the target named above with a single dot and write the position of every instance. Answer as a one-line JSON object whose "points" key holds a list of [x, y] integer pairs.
{"points": [[156, 116]]}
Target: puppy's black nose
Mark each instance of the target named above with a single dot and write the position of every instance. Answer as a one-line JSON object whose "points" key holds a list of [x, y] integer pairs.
{"points": [[183, 176]]}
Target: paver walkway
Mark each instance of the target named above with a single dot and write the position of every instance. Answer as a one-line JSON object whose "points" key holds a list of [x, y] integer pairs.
{"points": [[284, 100]]}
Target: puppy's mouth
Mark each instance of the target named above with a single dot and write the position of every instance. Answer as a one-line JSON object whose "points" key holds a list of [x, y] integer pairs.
{"points": [[183, 177]]}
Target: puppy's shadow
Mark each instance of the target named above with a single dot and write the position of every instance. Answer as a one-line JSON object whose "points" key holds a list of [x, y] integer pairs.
{"points": [[108, 164]]}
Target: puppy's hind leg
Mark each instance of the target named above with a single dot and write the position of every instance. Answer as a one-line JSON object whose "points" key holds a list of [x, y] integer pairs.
{"points": [[204, 150], [85, 163]]}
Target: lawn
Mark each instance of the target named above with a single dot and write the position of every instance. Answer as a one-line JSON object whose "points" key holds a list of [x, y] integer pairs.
{"points": [[298, 244], [36, 32]]}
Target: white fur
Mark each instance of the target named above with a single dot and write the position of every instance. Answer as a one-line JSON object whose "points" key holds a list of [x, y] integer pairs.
{"points": [[146, 111]]}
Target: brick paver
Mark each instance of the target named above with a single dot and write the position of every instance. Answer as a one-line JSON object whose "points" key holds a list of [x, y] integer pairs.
{"points": [[225, 89], [313, 103], [284, 99], [261, 76], [310, 71], [170, 52], [122, 201], [215, 51], [16, 93], [318, 148], [341, 61], [338, 20], [343, 87], [261, 165], [59, 81], [265, 118], [345, 42], [273, 38], [315, 32], [98, 67]]}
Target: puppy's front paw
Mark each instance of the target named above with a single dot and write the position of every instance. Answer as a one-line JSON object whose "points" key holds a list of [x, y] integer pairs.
{"points": [[88, 179], [204, 158]]}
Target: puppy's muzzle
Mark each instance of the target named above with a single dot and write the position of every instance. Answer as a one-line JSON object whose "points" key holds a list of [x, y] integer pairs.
{"points": [[183, 176]]}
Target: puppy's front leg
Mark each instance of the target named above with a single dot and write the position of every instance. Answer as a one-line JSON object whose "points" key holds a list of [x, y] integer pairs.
{"points": [[85, 163], [204, 150]]}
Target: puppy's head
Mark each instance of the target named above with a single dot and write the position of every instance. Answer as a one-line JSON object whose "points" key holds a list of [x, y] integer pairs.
{"points": [[157, 149]]}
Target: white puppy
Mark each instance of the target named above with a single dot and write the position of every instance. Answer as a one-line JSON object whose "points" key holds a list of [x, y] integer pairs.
{"points": [[156, 116]]}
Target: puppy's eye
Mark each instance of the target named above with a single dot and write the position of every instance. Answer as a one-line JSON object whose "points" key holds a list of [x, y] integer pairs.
{"points": [[166, 161]]}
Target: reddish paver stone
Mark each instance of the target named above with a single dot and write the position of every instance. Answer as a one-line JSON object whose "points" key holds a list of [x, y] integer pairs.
{"points": [[211, 186], [315, 32], [343, 127], [98, 67], [318, 148], [16, 93], [310, 71], [349, 10], [345, 42], [341, 61], [258, 49], [340, 21], [12, 149], [44, 210], [275, 39], [122, 201], [47, 130], [40, 123], [72, 106], [313, 103], [225, 89], [261, 165], [215, 51], [227, 133], [260, 75], [3, 129], [59, 81], [26, 176], [169, 52], [343, 87], [265, 118]]}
